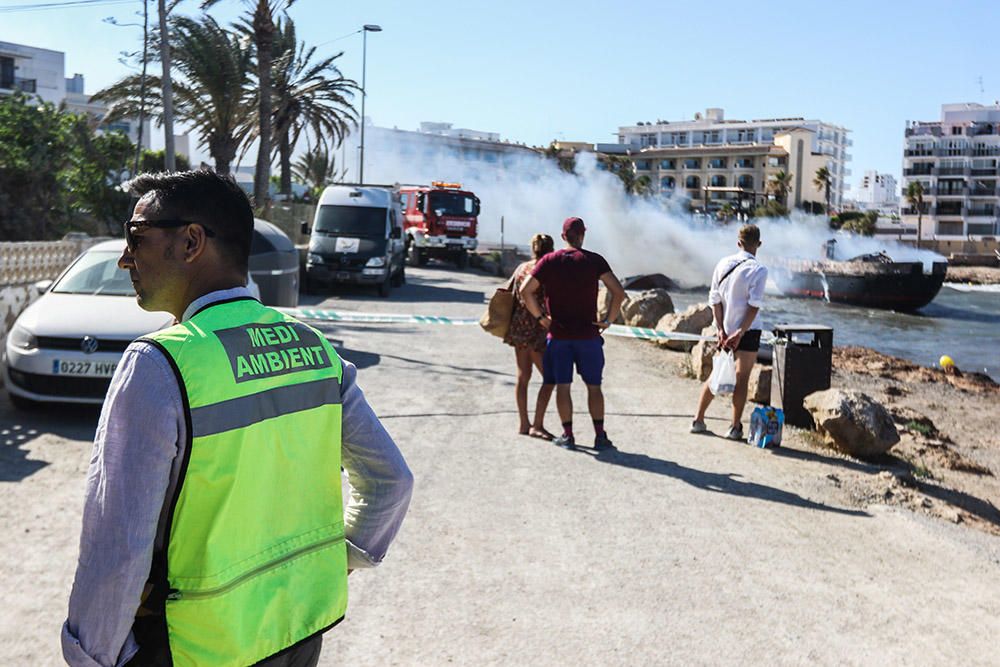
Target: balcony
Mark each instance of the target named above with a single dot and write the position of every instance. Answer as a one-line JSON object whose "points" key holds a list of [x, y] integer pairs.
{"points": [[984, 192], [981, 229], [983, 172], [952, 171], [952, 192], [950, 211], [919, 171], [919, 152], [17, 83], [950, 228], [981, 212]]}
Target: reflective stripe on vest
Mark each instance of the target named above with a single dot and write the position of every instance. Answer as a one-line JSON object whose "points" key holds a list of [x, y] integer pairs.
{"points": [[256, 559]]}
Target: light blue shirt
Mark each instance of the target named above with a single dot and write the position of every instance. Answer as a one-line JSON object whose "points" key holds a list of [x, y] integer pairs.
{"points": [[138, 450]]}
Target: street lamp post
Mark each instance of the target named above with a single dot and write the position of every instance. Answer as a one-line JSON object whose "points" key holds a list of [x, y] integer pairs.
{"points": [[367, 28]]}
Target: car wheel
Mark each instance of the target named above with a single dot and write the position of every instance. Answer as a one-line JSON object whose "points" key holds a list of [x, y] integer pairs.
{"points": [[398, 278], [22, 403], [384, 287]]}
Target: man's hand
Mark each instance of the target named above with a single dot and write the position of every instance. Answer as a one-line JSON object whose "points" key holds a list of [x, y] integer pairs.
{"points": [[720, 336], [602, 325], [733, 341], [545, 322]]}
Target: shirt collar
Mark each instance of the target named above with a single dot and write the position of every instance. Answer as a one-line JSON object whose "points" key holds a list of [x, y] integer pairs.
{"points": [[214, 297], [742, 254]]}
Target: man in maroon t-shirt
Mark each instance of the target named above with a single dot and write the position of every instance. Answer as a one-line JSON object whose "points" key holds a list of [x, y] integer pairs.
{"points": [[570, 278]]}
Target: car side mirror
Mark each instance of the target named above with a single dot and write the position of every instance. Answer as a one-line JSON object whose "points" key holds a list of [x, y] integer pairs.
{"points": [[42, 286], [305, 228]]}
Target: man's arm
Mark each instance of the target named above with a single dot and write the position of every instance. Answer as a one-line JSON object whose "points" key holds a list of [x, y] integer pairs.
{"points": [[718, 310], [134, 450], [755, 299], [529, 294], [617, 298], [381, 483]]}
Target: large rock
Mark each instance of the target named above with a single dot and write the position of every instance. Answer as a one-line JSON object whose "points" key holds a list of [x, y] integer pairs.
{"points": [[852, 422], [702, 353], [647, 308], [759, 390], [691, 321], [604, 304], [648, 281]]}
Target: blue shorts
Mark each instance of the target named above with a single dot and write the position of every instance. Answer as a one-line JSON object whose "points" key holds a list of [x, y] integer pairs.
{"points": [[561, 354]]}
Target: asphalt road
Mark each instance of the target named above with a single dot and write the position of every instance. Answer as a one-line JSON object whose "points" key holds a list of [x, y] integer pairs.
{"points": [[677, 549]]}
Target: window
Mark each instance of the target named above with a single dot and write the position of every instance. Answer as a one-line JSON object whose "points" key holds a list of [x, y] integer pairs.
{"points": [[668, 164], [697, 137], [692, 183], [745, 181], [6, 73], [667, 183], [404, 200], [745, 136], [717, 163], [692, 163], [642, 165], [718, 181], [744, 163], [713, 137]]}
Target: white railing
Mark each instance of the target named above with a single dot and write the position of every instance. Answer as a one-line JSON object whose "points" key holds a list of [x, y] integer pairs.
{"points": [[30, 261]]}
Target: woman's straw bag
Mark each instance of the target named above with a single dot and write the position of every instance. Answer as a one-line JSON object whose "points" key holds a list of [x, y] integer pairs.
{"points": [[496, 319]]}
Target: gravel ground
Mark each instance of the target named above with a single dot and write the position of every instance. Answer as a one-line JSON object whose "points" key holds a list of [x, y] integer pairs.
{"points": [[677, 549]]}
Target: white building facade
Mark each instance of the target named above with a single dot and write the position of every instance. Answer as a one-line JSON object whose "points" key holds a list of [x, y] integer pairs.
{"points": [[41, 73], [877, 191], [711, 130], [955, 160]]}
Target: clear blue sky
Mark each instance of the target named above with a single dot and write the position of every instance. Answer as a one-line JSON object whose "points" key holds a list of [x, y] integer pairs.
{"points": [[541, 70]]}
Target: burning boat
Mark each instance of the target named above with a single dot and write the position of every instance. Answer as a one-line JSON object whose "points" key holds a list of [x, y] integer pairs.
{"points": [[873, 280]]}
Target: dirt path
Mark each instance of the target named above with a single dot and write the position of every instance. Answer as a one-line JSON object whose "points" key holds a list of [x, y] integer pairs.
{"points": [[678, 549]]}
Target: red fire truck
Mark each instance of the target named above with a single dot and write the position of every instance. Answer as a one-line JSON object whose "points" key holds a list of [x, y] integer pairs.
{"points": [[439, 221]]}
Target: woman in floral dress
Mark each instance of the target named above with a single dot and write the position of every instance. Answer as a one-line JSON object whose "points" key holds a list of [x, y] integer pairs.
{"points": [[527, 337]]}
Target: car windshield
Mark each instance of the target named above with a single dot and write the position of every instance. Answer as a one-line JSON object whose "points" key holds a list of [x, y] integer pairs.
{"points": [[96, 272], [351, 221], [451, 203]]}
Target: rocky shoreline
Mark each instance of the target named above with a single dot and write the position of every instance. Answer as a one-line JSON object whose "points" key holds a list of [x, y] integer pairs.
{"points": [[973, 275]]}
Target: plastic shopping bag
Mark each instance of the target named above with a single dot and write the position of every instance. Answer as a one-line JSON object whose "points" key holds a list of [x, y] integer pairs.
{"points": [[722, 381], [766, 424]]}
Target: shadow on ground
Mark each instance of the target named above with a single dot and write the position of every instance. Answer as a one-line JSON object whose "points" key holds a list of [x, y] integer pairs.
{"points": [[710, 481], [18, 428], [416, 290]]}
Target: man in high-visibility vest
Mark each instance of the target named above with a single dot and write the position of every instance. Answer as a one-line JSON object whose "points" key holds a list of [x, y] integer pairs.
{"points": [[214, 531]]}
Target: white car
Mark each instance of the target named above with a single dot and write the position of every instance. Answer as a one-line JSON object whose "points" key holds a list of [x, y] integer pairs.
{"points": [[66, 345]]}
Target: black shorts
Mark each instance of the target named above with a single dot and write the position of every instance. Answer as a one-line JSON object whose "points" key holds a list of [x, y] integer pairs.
{"points": [[750, 341]]}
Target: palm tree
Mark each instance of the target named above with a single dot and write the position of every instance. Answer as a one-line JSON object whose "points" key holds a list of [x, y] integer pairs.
{"points": [[316, 168], [213, 96], [823, 180], [263, 29], [915, 196], [780, 184], [307, 95]]}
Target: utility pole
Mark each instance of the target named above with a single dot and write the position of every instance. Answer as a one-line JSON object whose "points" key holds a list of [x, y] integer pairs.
{"points": [[142, 86], [170, 163]]}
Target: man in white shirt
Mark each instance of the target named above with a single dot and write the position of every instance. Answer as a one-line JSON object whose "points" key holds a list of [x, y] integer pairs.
{"points": [[736, 297]]}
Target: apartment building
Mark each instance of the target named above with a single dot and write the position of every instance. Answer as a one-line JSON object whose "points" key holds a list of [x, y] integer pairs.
{"points": [[737, 174], [41, 73], [877, 191], [712, 131], [955, 160], [395, 155]]}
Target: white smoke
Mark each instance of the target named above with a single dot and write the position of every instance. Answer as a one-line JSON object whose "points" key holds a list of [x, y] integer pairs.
{"points": [[636, 235]]}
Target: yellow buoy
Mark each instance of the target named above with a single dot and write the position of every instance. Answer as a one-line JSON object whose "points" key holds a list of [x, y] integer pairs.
{"points": [[946, 361]]}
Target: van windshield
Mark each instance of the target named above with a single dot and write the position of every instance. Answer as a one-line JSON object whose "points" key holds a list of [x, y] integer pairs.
{"points": [[351, 220]]}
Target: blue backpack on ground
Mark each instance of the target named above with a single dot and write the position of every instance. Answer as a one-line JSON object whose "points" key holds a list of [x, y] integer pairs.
{"points": [[766, 424]]}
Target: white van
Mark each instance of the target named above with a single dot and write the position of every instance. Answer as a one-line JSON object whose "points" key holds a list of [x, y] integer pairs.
{"points": [[356, 238]]}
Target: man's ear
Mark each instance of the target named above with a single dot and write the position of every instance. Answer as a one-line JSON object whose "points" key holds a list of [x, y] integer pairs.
{"points": [[195, 242]]}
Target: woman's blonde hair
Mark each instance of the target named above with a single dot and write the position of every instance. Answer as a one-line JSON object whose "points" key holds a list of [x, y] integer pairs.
{"points": [[541, 245]]}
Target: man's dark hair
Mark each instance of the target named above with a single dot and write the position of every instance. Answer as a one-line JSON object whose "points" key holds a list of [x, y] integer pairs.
{"points": [[207, 198]]}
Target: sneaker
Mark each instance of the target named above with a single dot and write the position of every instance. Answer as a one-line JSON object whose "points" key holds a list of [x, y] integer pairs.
{"points": [[698, 426], [565, 441], [735, 432], [603, 443]]}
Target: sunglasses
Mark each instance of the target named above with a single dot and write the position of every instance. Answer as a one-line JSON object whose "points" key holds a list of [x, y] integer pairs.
{"points": [[132, 241]]}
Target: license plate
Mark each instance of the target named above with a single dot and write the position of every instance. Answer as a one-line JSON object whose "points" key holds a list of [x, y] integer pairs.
{"points": [[455, 246], [100, 369], [343, 275]]}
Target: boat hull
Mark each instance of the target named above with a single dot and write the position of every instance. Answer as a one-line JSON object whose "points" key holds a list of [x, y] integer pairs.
{"points": [[893, 286]]}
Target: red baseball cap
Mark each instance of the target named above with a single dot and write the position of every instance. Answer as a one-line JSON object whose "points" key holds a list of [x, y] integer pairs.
{"points": [[574, 225]]}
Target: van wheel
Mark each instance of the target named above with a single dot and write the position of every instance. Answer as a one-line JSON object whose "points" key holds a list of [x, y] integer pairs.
{"points": [[384, 287], [399, 277], [413, 254]]}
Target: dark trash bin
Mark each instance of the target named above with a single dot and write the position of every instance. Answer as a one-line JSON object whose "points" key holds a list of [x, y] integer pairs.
{"points": [[803, 363], [274, 265]]}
